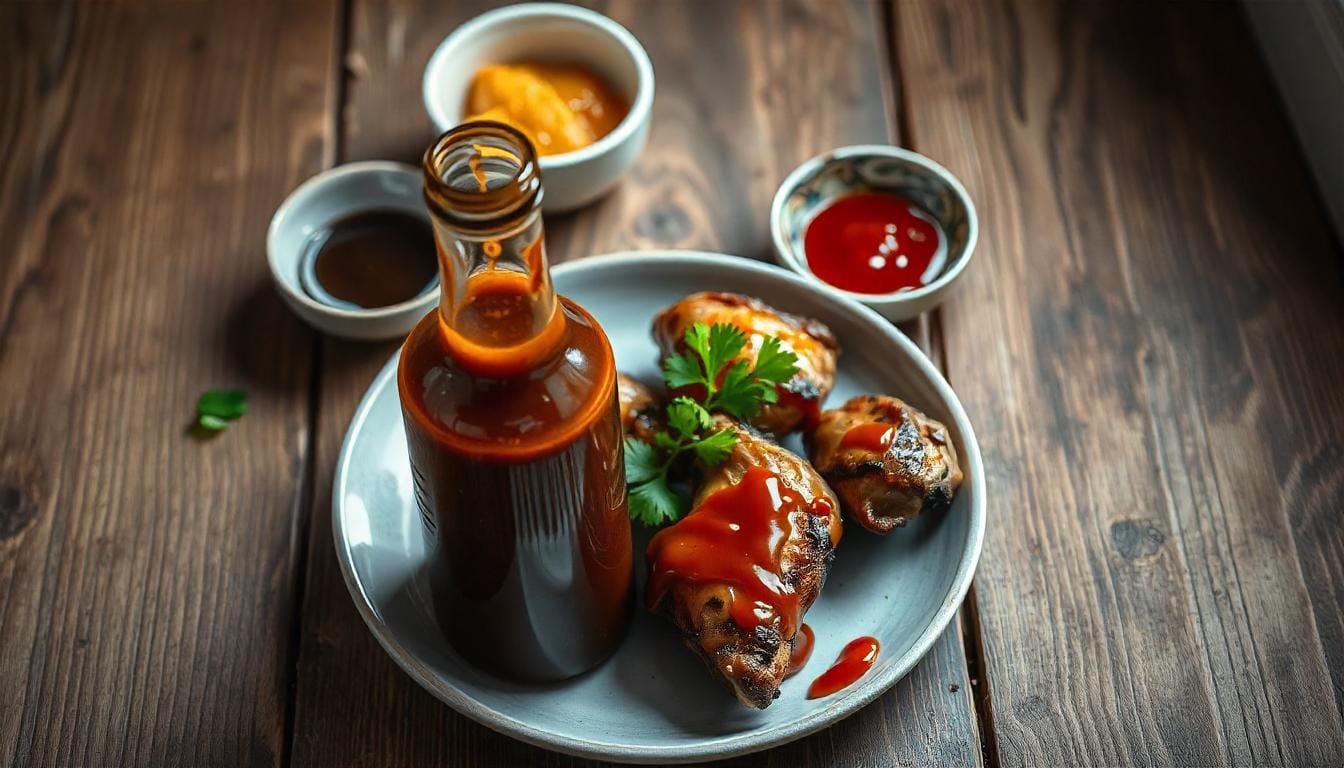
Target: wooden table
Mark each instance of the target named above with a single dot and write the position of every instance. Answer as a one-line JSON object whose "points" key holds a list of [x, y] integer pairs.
{"points": [[1150, 342]]}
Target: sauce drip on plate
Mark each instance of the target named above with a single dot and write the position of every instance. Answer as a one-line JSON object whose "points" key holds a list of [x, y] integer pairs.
{"points": [[801, 650], [735, 538], [854, 662], [875, 243], [874, 436]]}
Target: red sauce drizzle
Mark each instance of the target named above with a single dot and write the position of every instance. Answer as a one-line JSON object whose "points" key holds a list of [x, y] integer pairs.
{"points": [[854, 661], [875, 243], [801, 650], [810, 406], [874, 436], [735, 537]]}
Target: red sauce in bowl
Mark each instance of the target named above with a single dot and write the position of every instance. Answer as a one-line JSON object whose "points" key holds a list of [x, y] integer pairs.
{"points": [[875, 243]]}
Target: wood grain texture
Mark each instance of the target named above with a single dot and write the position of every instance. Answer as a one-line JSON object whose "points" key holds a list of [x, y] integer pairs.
{"points": [[724, 132], [1149, 343], [147, 578]]}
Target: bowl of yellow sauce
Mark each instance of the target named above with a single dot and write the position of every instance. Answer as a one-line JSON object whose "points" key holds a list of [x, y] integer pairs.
{"points": [[578, 84]]}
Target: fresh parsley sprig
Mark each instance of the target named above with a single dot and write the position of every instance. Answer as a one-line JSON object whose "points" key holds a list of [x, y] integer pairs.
{"points": [[712, 365]]}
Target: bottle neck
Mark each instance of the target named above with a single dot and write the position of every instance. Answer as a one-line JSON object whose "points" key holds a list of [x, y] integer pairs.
{"points": [[498, 312]]}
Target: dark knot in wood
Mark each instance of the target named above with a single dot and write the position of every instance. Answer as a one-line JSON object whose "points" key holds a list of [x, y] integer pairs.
{"points": [[1136, 539]]}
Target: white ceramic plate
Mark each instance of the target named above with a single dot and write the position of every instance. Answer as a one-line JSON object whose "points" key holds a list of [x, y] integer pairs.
{"points": [[653, 701]]}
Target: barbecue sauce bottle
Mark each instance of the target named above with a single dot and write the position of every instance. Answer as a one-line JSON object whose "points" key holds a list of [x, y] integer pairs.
{"points": [[508, 393]]}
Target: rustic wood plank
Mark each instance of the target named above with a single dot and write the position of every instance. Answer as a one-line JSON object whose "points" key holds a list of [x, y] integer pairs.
{"points": [[724, 133], [1149, 344], [147, 579]]}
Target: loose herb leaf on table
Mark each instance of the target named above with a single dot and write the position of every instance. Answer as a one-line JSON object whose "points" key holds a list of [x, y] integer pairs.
{"points": [[217, 407], [712, 370]]}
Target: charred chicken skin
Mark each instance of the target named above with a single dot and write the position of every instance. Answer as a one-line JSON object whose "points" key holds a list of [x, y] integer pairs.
{"points": [[886, 461], [640, 408], [737, 574], [800, 397]]}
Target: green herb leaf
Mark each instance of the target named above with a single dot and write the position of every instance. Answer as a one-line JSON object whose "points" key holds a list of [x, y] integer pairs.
{"points": [[688, 417], [697, 340], [222, 404], [740, 394], [725, 343], [724, 383], [641, 461], [774, 363], [211, 423], [666, 442], [653, 503], [682, 370], [714, 449]]}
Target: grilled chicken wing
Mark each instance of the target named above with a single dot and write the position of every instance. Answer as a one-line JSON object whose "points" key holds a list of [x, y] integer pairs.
{"points": [[639, 408], [737, 574], [886, 461], [800, 397]]}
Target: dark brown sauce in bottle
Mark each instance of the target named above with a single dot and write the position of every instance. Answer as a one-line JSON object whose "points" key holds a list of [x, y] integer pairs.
{"points": [[370, 259], [508, 394]]}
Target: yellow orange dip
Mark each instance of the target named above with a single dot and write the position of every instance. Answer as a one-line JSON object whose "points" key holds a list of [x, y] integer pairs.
{"points": [[560, 107]]}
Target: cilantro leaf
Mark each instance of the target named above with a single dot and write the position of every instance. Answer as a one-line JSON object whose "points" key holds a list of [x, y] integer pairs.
{"points": [[682, 370], [725, 382], [654, 503], [774, 363], [224, 404], [714, 449], [211, 423], [725, 343], [666, 442], [697, 340], [641, 461], [740, 394], [688, 417]]}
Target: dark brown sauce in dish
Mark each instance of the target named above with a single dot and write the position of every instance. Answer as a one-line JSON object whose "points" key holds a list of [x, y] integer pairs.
{"points": [[370, 259]]}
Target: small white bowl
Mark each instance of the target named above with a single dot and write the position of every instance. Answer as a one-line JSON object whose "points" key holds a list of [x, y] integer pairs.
{"points": [[558, 33], [876, 168], [318, 203]]}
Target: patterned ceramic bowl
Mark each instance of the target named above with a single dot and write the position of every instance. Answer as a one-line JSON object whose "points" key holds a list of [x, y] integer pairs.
{"points": [[876, 168]]}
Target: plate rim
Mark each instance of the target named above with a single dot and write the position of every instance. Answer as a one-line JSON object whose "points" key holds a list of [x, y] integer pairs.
{"points": [[713, 748]]}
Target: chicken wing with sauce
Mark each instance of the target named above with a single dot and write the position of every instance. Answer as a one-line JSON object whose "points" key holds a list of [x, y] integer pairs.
{"points": [[886, 461], [800, 397], [735, 587], [639, 406]]}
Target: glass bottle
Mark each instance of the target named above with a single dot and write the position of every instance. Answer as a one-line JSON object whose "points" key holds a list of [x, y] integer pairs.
{"points": [[508, 393]]}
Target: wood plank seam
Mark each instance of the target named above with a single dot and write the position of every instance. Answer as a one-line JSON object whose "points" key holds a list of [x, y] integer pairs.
{"points": [[302, 532], [968, 620]]}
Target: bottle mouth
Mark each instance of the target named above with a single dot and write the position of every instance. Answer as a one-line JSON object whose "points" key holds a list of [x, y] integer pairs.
{"points": [[482, 176]]}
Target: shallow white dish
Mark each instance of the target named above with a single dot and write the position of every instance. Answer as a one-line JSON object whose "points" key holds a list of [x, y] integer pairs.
{"points": [[560, 33], [315, 205], [843, 171], [653, 702]]}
